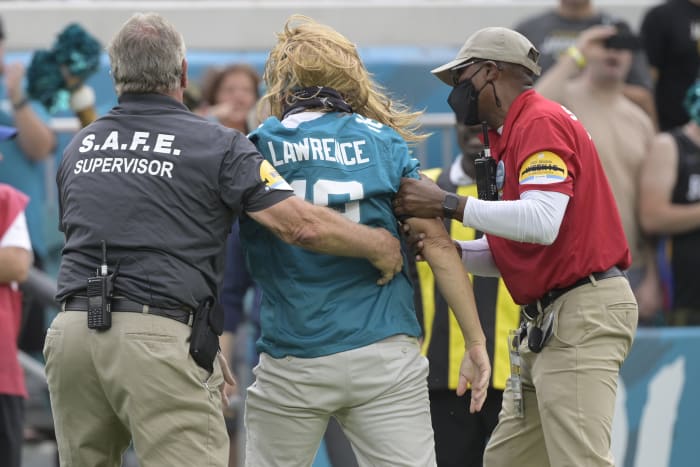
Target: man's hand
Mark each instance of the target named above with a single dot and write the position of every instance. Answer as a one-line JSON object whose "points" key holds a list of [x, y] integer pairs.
{"points": [[414, 240], [388, 259], [228, 112], [590, 41], [419, 198], [228, 387], [476, 370], [323, 230]]}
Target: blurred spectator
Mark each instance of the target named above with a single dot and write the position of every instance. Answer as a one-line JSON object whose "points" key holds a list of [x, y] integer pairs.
{"points": [[35, 142], [23, 167], [555, 31], [670, 205], [229, 96], [56, 77], [621, 131], [460, 437], [671, 34], [15, 258]]}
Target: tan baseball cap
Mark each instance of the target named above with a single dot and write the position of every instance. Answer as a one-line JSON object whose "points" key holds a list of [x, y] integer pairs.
{"points": [[494, 43]]}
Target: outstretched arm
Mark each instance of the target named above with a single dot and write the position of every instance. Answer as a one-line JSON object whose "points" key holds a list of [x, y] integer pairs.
{"points": [[453, 283], [535, 218], [323, 230]]}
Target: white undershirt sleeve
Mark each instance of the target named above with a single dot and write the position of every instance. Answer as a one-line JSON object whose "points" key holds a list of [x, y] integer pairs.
{"points": [[534, 218], [17, 235], [477, 258]]}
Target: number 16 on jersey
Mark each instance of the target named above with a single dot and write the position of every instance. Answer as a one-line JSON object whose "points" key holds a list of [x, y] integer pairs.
{"points": [[333, 194]]}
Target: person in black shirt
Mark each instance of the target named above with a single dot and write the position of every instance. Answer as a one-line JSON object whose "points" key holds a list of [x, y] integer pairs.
{"points": [[160, 187], [670, 205], [671, 36]]}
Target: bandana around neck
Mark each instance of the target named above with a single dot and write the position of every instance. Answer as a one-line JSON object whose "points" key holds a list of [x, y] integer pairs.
{"points": [[315, 97]]}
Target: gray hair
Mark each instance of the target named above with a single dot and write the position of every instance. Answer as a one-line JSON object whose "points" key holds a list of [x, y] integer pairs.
{"points": [[146, 55]]}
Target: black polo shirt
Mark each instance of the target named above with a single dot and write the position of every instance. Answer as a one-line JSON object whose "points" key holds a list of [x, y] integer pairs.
{"points": [[161, 186]]}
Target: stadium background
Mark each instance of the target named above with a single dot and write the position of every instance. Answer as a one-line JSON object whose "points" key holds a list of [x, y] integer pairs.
{"points": [[400, 42]]}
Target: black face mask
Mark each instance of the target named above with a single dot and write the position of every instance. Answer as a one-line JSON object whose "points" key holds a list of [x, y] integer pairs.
{"points": [[464, 101]]}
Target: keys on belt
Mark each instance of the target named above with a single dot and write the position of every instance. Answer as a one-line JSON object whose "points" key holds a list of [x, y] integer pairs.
{"points": [[120, 304], [515, 382]]}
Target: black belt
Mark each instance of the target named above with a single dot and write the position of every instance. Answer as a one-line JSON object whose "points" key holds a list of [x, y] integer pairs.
{"points": [[119, 304], [531, 310]]}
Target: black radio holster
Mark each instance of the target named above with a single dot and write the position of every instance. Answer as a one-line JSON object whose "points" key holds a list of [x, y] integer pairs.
{"points": [[207, 326], [486, 187]]}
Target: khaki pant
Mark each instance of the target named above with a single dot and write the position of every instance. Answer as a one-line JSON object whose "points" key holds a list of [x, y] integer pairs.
{"points": [[135, 381], [378, 394], [569, 388]]}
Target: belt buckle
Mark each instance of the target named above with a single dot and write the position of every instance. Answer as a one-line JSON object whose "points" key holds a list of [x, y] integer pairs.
{"points": [[531, 311]]}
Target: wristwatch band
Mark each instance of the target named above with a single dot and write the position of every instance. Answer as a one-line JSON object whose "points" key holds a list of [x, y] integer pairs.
{"points": [[449, 205]]}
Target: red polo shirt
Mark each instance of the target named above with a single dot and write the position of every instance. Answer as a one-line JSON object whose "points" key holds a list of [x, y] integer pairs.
{"points": [[544, 147], [12, 202]]}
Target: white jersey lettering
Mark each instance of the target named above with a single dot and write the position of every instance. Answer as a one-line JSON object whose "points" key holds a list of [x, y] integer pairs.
{"points": [[346, 153], [140, 141]]}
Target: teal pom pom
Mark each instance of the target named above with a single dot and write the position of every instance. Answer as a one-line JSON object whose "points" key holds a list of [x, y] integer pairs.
{"points": [[44, 79], [77, 52], [692, 102]]}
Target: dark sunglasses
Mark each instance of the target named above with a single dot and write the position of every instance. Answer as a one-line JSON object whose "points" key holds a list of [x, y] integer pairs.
{"points": [[457, 71]]}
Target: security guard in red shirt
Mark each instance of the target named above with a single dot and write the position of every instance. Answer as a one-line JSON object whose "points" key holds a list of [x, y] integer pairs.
{"points": [[554, 235]]}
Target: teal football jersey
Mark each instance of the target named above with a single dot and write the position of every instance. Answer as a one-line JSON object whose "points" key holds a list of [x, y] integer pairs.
{"points": [[316, 304]]}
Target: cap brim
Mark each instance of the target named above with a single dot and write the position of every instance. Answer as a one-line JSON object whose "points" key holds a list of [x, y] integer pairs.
{"points": [[444, 72], [7, 132]]}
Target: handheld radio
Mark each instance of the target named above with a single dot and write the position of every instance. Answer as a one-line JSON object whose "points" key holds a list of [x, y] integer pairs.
{"points": [[485, 167], [99, 294]]}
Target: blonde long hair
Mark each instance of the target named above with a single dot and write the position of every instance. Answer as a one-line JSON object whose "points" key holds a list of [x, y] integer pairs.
{"points": [[308, 54]]}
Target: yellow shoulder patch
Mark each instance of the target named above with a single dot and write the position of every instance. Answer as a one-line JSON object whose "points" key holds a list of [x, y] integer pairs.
{"points": [[271, 178], [543, 168]]}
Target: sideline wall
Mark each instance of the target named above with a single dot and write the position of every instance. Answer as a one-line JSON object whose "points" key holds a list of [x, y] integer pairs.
{"points": [[657, 409]]}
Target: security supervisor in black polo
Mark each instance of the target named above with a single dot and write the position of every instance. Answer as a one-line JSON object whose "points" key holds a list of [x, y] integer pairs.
{"points": [[148, 194]]}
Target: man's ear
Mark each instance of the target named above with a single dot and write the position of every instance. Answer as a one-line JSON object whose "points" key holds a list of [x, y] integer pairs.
{"points": [[493, 70], [183, 78]]}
